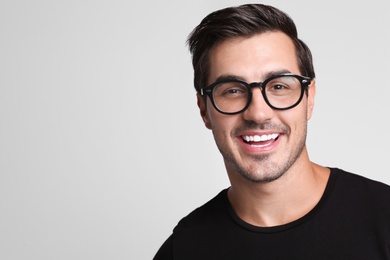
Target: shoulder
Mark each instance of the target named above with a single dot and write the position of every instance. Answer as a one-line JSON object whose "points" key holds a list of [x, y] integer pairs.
{"points": [[353, 190], [194, 229], [352, 181], [206, 214]]}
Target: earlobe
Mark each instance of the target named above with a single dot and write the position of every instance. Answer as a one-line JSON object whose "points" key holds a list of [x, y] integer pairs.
{"points": [[203, 110], [310, 98]]}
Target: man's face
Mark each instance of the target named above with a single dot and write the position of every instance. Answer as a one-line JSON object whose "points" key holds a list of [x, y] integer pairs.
{"points": [[283, 133]]}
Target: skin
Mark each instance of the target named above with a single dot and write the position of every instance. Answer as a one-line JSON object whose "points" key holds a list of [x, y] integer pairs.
{"points": [[274, 182]]}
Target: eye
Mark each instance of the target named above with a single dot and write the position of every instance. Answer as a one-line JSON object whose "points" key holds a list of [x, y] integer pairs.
{"points": [[278, 87], [282, 86], [230, 90]]}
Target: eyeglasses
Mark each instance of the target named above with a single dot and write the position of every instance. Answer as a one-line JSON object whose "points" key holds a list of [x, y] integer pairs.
{"points": [[280, 92]]}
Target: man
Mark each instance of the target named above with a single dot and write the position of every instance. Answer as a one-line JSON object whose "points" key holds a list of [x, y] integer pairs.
{"points": [[255, 85]]}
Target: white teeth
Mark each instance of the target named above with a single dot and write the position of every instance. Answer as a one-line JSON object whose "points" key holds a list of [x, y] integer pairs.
{"points": [[259, 138]]}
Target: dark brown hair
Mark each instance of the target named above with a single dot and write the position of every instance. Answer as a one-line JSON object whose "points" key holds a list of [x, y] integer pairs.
{"points": [[242, 21]]}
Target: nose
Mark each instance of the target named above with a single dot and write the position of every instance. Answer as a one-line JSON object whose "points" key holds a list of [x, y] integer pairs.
{"points": [[258, 110]]}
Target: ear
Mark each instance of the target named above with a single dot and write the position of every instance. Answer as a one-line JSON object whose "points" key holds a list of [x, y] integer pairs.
{"points": [[310, 98], [203, 110]]}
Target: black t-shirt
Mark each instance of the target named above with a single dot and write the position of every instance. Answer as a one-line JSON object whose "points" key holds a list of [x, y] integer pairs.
{"points": [[351, 221]]}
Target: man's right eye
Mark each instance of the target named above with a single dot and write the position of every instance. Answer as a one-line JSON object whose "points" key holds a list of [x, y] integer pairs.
{"points": [[234, 91]]}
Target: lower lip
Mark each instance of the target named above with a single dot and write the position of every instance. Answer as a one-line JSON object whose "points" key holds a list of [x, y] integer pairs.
{"points": [[260, 148]]}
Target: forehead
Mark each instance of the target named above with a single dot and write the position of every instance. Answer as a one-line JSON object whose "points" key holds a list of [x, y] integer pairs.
{"points": [[252, 58]]}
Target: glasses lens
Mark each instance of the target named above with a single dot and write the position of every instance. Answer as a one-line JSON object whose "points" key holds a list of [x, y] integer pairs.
{"points": [[283, 92], [230, 97]]}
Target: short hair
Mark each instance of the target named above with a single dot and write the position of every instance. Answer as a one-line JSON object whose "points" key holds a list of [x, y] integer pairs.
{"points": [[242, 21]]}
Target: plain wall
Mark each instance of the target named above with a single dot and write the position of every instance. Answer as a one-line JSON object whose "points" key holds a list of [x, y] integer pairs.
{"points": [[102, 149]]}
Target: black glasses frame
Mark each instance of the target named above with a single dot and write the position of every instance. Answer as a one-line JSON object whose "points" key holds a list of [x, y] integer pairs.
{"points": [[305, 82]]}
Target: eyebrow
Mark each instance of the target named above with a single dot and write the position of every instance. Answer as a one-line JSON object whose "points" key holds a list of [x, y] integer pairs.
{"points": [[266, 76]]}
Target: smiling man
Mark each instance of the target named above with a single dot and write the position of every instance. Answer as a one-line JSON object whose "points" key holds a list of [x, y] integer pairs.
{"points": [[255, 85]]}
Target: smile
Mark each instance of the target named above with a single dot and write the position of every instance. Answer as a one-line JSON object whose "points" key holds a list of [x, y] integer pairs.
{"points": [[260, 138]]}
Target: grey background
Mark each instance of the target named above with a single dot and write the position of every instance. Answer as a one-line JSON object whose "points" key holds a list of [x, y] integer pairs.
{"points": [[102, 149]]}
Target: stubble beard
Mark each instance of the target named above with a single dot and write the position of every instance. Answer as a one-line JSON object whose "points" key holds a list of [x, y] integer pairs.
{"points": [[263, 169]]}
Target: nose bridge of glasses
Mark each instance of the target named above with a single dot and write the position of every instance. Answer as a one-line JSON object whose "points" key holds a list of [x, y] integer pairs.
{"points": [[256, 85], [258, 108], [260, 94]]}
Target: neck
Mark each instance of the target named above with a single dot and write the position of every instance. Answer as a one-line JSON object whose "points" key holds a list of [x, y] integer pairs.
{"points": [[281, 201]]}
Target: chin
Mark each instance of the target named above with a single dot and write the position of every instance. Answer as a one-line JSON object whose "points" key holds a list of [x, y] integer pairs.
{"points": [[261, 178]]}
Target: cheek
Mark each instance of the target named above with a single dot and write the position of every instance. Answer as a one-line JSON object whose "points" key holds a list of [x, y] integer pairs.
{"points": [[222, 123], [213, 116], [296, 118], [217, 122]]}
